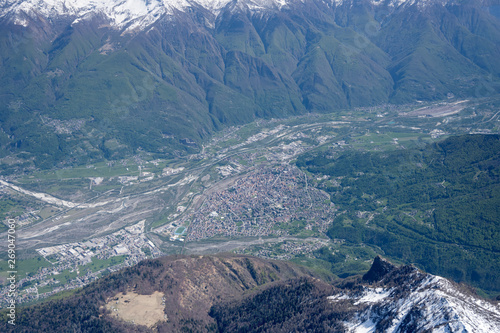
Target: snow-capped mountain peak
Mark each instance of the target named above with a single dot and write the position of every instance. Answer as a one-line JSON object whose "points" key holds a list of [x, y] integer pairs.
{"points": [[132, 14], [395, 3], [433, 305], [407, 300], [121, 13]]}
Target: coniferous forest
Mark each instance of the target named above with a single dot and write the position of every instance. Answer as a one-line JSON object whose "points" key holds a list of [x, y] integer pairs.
{"points": [[436, 206]]}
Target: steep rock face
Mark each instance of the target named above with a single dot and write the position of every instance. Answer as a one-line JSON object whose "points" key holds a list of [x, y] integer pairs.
{"points": [[153, 75], [379, 269]]}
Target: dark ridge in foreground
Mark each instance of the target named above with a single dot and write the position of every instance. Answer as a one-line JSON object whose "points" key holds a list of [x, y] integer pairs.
{"points": [[191, 285], [236, 293]]}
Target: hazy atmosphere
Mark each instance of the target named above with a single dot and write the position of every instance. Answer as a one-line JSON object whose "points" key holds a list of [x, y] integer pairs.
{"points": [[250, 166]]}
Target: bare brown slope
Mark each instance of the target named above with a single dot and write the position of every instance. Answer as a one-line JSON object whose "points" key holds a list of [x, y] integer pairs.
{"points": [[190, 285], [193, 284]]}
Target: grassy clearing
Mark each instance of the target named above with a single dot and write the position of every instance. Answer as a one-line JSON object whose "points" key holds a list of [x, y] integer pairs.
{"points": [[99, 264], [66, 276], [180, 230]]}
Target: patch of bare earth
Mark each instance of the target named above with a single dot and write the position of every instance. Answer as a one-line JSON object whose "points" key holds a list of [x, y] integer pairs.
{"points": [[144, 310]]}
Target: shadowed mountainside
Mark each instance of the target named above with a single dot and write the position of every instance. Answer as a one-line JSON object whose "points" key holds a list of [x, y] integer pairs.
{"points": [[86, 90]]}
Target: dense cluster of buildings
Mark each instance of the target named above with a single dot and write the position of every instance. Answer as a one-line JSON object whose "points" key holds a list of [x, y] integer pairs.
{"points": [[265, 202]]}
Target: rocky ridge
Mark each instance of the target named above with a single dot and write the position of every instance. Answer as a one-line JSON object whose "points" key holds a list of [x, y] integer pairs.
{"points": [[228, 293]]}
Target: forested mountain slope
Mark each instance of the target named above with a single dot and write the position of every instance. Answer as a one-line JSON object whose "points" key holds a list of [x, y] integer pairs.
{"points": [[91, 80], [436, 206]]}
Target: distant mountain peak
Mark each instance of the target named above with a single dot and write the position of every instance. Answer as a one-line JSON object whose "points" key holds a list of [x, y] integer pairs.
{"points": [[128, 14], [139, 14], [226, 62], [395, 3], [121, 13]]}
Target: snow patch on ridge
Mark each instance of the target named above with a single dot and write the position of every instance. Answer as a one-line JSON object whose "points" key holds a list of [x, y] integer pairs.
{"points": [[373, 295], [434, 304], [136, 13], [139, 14], [128, 14], [394, 3]]}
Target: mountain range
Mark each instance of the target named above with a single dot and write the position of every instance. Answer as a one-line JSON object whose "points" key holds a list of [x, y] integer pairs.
{"points": [[234, 293], [87, 80]]}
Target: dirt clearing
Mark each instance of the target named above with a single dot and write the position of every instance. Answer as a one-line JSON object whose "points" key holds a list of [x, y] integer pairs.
{"points": [[144, 310]]}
